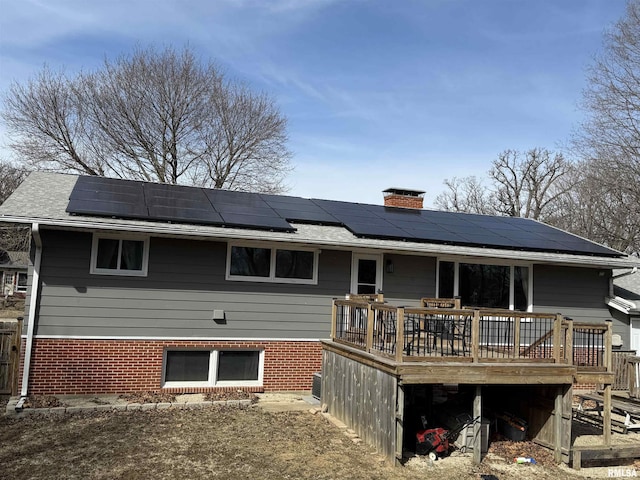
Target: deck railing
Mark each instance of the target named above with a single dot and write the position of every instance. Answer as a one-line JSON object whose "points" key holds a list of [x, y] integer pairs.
{"points": [[591, 346], [469, 335]]}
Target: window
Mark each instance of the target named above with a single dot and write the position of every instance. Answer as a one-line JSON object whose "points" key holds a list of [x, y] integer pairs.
{"points": [[486, 285], [263, 264], [209, 368], [112, 255], [21, 283]]}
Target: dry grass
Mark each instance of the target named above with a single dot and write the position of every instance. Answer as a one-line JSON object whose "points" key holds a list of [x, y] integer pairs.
{"points": [[217, 442]]}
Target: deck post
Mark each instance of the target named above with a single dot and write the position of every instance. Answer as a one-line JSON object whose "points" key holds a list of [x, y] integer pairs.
{"points": [[607, 388], [399, 422], [557, 336], [399, 334], [477, 425], [475, 336], [370, 317], [606, 420], [516, 338], [557, 423], [334, 317], [568, 345]]}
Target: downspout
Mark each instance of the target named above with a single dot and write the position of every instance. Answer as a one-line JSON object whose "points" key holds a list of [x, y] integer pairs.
{"points": [[33, 306]]}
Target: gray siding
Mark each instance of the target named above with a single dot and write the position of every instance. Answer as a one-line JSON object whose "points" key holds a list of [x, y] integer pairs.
{"points": [[575, 292], [413, 277], [185, 283]]}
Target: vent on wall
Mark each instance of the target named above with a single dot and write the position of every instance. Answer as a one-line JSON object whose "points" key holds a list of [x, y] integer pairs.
{"points": [[316, 388]]}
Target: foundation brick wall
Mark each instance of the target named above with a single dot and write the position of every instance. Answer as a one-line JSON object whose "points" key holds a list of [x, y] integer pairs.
{"points": [[68, 366]]}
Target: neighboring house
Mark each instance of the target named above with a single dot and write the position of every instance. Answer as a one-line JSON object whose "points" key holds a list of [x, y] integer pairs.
{"points": [[13, 273], [624, 304], [145, 287]]}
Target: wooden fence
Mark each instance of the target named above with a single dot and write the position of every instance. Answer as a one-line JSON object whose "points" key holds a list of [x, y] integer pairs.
{"points": [[9, 356], [634, 376], [623, 369]]}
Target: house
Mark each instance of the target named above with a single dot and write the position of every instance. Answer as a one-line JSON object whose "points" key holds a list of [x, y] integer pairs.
{"points": [[13, 273], [624, 305], [138, 286]]}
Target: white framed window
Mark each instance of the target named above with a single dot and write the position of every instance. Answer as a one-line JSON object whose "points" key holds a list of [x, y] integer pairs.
{"points": [[212, 368], [21, 281], [119, 255], [485, 283], [259, 263]]}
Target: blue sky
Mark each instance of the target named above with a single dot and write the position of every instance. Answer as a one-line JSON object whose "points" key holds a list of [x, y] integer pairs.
{"points": [[377, 93]]}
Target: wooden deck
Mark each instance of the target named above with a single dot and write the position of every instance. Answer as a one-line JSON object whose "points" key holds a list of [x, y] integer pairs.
{"points": [[471, 346], [380, 355]]}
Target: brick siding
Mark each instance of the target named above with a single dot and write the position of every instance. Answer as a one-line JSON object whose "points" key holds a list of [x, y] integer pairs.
{"points": [[67, 366], [403, 201]]}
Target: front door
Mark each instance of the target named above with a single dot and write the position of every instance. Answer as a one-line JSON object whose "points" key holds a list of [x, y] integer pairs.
{"points": [[366, 274]]}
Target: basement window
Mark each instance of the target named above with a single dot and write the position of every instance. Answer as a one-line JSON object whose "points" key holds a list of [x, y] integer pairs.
{"points": [[270, 264], [211, 368], [116, 255]]}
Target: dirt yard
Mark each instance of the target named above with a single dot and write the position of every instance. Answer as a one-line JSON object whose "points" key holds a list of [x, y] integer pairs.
{"points": [[218, 442]]}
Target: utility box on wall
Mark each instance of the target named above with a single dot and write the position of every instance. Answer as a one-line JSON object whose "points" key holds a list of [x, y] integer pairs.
{"points": [[316, 388]]}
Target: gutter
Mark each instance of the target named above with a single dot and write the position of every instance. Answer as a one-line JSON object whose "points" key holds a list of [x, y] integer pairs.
{"points": [[33, 306], [377, 245]]}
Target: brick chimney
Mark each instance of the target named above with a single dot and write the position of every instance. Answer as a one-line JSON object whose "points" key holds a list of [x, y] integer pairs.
{"points": [[403, 197]]}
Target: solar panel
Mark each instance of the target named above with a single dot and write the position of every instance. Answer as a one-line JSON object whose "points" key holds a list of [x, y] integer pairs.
{"points": [[107, 209], [185, 215], [107, 197], [160, 202], [271, 223], [376, 229], [299, 209], [306, 216], [219, 197]]}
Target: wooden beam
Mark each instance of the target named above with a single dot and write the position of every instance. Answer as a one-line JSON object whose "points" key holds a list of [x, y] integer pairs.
{"points": [[594, 377], [557, 424], [370, 319], [557, 336], [475, 336], [568, 349], [477, 425], [334, 316], [603, 452], [606, 415], [516, 338], [399, 334], [399, 422]]}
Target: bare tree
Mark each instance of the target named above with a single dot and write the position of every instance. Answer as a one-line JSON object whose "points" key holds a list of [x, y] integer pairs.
{"points": [[10, 177], [466, 194], [13, 237], [522, 184], [599, 211], [611, 100], [155, 116], [608, 140], [527, 184]]}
